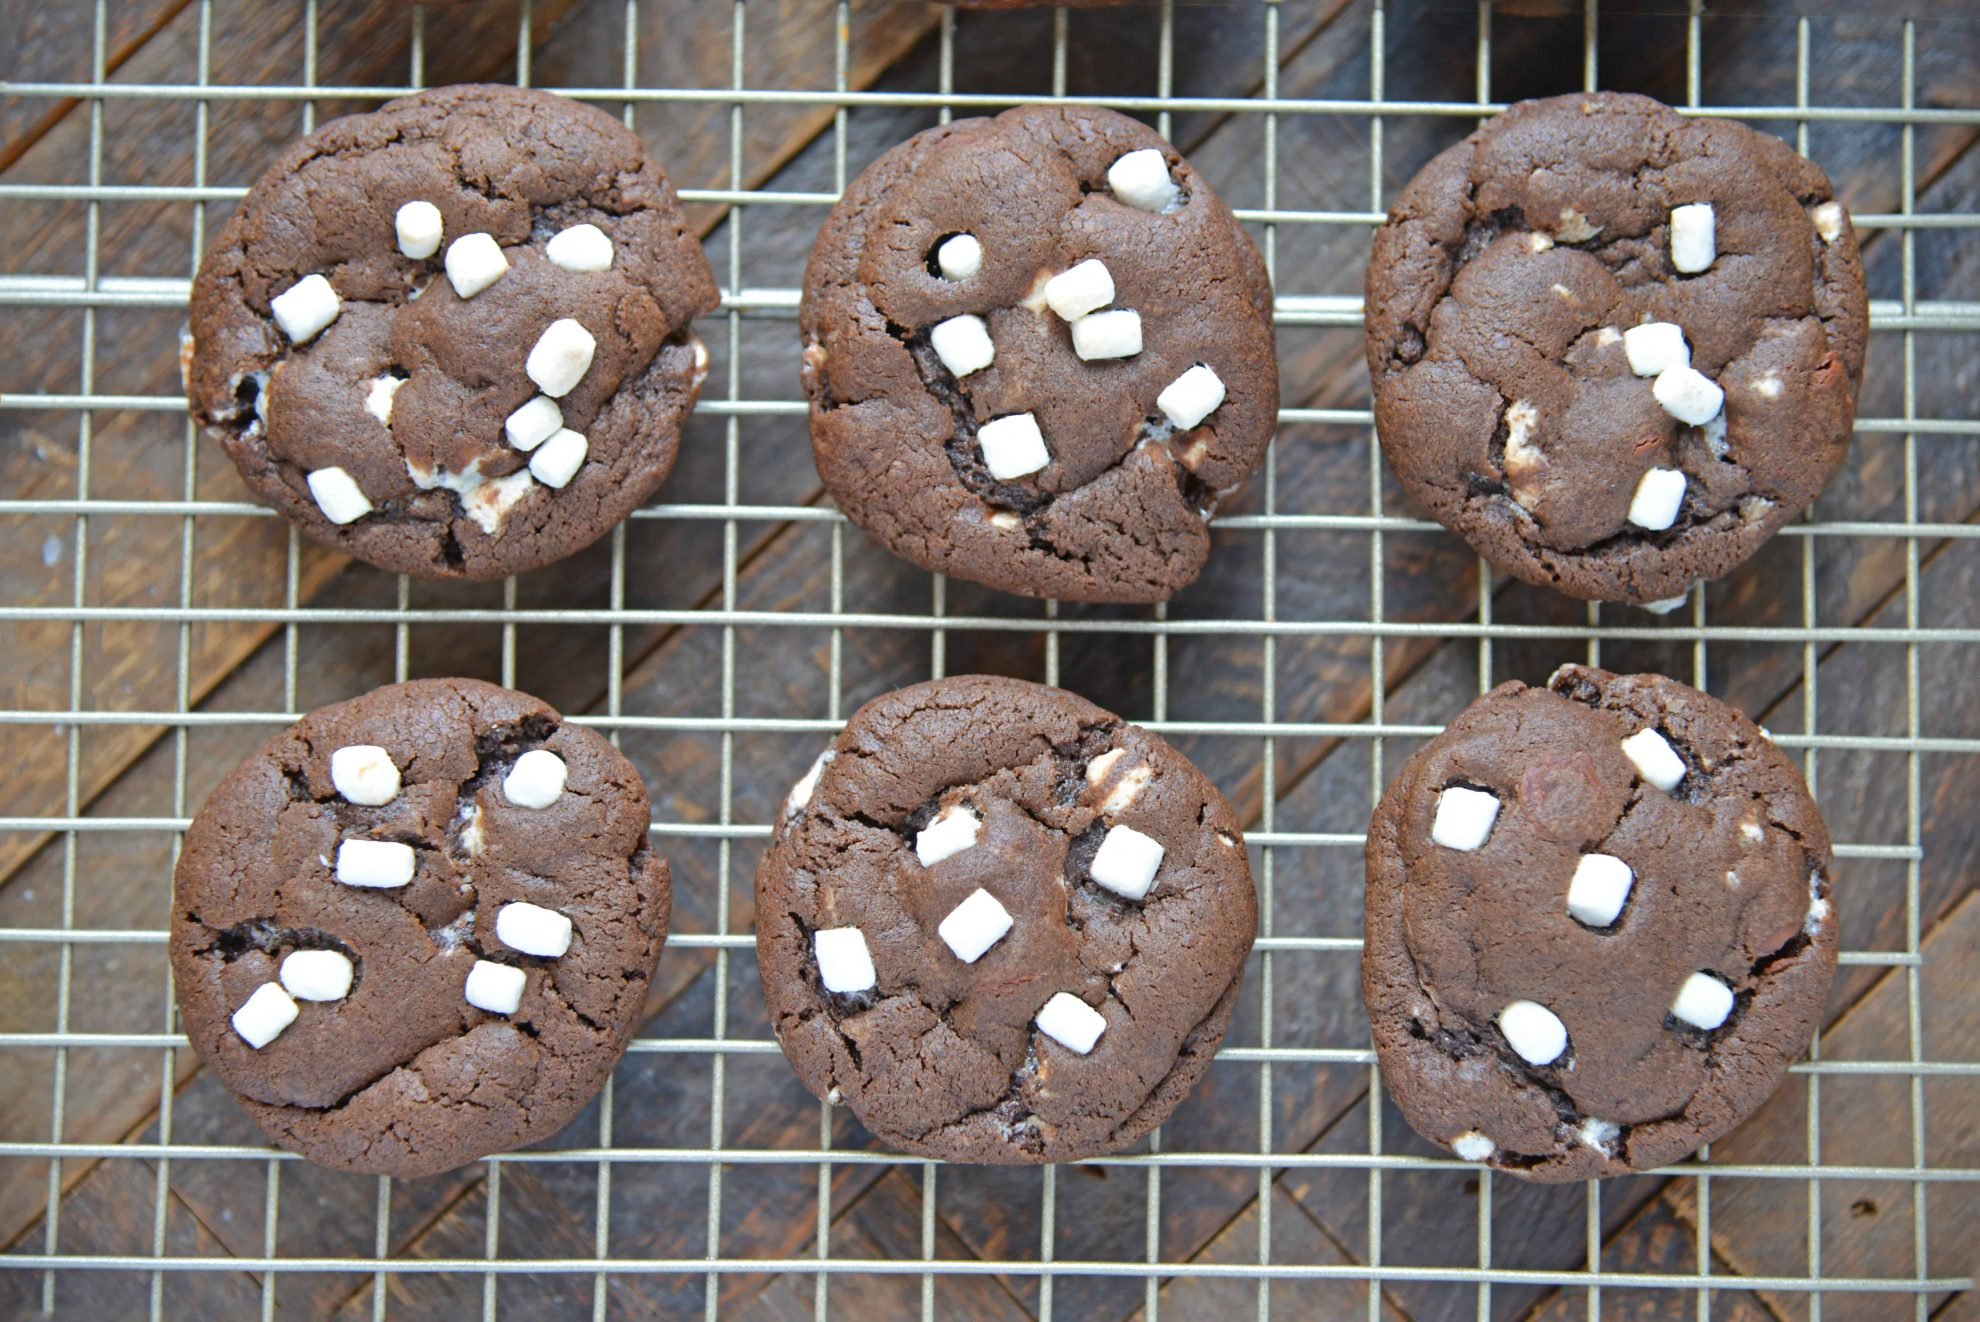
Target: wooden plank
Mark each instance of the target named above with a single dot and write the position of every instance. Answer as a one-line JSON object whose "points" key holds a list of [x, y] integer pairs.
{"points": [[1654, 1241], [56, 44]]}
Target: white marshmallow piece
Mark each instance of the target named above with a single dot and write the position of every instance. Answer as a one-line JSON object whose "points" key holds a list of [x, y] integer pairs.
{"points": [[533, 423], [531, 929], [1659, 496], [1013, 446], [496, 988], [305, 308], [1473, 1146], [946, 836], [963, 344], [1080, 289], [959, 257], [1534, 1031], [560, 357], [264, 1015], [1694, 238], [1464, 818], [975, 925], [1071, 1022], [1099, 336], [1654, 347], [1828, 220], [1654, 759], [580, 248], [801, 792], [1599, 889], [338, 495], [375, 864], [1191, 397], [536, 780], [316, 975], [1688, 395], [1126, 862], [557, 462], [419, 228], [1703, 1001], [844, 964], [1141, 179], [365, 775], [474, 262], [378, 399]]}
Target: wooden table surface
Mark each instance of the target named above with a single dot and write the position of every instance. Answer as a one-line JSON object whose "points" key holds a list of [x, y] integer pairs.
{"points": [[1905, 894]]}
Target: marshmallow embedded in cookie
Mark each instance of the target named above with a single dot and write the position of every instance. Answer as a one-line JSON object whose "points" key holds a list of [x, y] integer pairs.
{"points": [[1141, 179], [558, 459], [418, 227], [1103, 335], [959, 257], [1126, 862], [1654, 759], [338, 495], [1703, 1002], [1464, 818], [533, 423], [1659, 496], [844, 963], [1071, 1022], [1688, 394], [1191, 397], [580, 248], [496, 988], [1013, 446], [1534, 1031], [1694, 238], [317, 975], [560, 357], [364, 774], [474, 262], [531, 929], [1654, 347], [305, 308], [974, 926], [375, 864], [264, 1015], [955, 830], [1081, 288], [536, 780], [1599, 889], [963, 344]]}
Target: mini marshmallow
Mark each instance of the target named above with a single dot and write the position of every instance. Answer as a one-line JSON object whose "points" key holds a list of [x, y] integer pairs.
{"points": [[474, 262], [1703, 1002], [959, 257], [316, 975], [378, 399], [1714, 432], [1664, 605], [580, 248], [1473, 1146], [559, 458], [1688, 394], [963, 344], [536, 780], [844, 964], [1828, 220], [338, 495], [264, 1015], [365, 775], [801, 792], [496, 988], [1464, 818], [533, 423], [1599, 889], [1012, 446], [1080, 289], [1655, 346], [1141, 179], [1071, 1022], [1534, 1031], [560, 357], [1694, 241], [1126, 862], [1659, 495], [419, 228], [949, 834], [375, 864], [1599, 1134], [1654, 759], [1104, 335], [1191, 397], [975, 925], [531, 929], [305, 308]]}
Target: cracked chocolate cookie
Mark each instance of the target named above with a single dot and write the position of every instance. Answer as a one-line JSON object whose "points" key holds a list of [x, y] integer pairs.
{"points": [[417, 927], [1598, 926], [1002, 924], [1038, 351], [1613, 348], [451, 337]]}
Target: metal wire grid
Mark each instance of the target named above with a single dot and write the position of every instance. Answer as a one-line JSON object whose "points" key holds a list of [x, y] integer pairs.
{"points": [[97, 290]]}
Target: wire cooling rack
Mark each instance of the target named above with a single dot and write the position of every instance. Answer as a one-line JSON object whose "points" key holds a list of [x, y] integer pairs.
{"points": [[1380, 1167]]}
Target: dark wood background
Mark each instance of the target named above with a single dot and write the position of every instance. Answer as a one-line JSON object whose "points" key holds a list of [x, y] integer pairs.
{"points": [[1758, 1227]]}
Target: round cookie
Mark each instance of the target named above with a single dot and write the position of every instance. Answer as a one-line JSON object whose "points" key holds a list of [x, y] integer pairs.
{"points": [[978, 877], [452, 337], [460, 982], [1598, 926], [1520, 395], [1065, 439]]}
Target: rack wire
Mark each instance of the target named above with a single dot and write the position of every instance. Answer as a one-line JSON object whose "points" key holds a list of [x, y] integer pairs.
{"points": [[748, 307]]}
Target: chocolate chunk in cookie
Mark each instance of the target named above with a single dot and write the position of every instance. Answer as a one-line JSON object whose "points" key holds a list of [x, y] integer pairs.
{"points": [[452, 337], [1613, 348], [1038, 351], [1598, 926], [1002, 924]]}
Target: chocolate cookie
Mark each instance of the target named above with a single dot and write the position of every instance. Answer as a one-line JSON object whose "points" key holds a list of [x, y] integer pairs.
{"points": [[1613, 348], [1038, 351], [1598, 926], [1002, 924], [417, 927], [451, 337]]}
